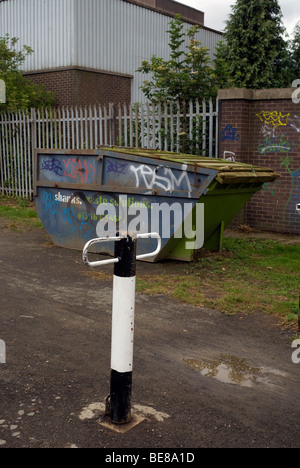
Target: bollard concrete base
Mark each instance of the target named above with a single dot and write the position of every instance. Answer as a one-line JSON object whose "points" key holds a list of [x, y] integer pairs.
{"points": [[136, 419]]}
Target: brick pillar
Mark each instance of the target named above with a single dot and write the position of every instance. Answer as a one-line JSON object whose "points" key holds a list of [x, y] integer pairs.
{"points": [[234, 138], [262, 127], [235, 113]]}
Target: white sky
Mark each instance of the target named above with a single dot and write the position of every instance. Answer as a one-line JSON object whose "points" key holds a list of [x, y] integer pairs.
{"points": [[217, 11]]}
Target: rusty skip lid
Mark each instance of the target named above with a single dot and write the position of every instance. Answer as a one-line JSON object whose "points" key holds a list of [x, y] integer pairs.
{"points": [[228, 172], [260, 177]]}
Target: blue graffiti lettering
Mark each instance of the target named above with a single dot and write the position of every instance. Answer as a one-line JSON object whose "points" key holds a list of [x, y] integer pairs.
{"points": [[51, 205], [119, 168], [230, 134], [53, 165]]}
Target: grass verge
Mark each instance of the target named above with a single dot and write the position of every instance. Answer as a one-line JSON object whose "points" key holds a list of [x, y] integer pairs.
{"points": [[18, 215], [249, 275]]}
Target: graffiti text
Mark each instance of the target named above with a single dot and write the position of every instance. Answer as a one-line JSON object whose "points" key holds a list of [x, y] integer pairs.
{"points": [[53, 165], [272, 145], [119, 168], [75, 168], [149, 177], [230, 134], [275, 118]]}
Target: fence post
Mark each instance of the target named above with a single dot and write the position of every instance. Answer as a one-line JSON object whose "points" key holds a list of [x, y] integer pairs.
{"points": [[33, 130], [119, 403], [112, 125], [33, 133]]}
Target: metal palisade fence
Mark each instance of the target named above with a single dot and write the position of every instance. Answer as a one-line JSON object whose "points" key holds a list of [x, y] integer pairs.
{"points": [[179, 127]]}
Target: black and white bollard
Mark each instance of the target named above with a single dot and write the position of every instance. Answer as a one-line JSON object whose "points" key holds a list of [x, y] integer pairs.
{"points": [[118, 403], [122, 331]]}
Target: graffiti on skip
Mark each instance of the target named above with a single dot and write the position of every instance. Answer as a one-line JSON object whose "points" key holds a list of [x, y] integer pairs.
{"points": [[230, 134], [272, 145], [50, 203], [161, 177], [76, 210], [274, 119], [71, 168], [79, 211], [74, 168], [53, 165], [118, 168]]}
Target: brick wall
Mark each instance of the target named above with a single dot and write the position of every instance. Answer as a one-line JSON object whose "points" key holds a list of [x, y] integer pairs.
{"points": [[263, 128], [79, 87], [171, 8]]}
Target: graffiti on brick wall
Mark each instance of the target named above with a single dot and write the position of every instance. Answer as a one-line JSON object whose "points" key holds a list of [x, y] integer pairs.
{"points": [[271, 187], [276, 140], [294, 194], [275, 145], [273, 124], [230, 134], [273, 119], [279, 136], [294, 122], [290, 209]]}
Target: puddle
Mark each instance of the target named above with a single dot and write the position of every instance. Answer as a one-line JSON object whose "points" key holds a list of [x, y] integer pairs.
{"points": [[227, 369]]}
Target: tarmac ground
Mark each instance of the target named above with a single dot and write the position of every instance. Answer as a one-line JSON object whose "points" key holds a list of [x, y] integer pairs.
{"points": [[200, 379]]}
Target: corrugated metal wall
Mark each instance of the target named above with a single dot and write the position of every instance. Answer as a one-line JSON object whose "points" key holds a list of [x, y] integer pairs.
{"points": [[111, 35], [117, 36], [47, 26]]}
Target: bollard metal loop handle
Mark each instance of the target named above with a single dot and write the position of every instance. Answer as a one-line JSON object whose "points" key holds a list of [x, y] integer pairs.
{"points": [[149, 235], [111, 261], [99, 240]]}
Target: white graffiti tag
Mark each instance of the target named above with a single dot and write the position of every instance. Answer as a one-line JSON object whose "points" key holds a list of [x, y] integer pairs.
{"points": [[295, 123], [161, 177]]}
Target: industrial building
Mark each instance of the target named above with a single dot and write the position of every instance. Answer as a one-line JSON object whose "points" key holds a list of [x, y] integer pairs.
{"points": [[88, 51]]}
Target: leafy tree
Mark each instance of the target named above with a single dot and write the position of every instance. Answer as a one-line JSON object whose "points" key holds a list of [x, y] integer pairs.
{"points": [[20, 92], [257, 52], [187, 75], [221, 66], [295, 47]]}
